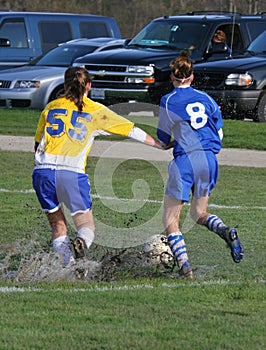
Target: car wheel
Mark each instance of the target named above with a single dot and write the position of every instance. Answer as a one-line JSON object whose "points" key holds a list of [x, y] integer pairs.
{"points": [[262, 109], [57, 92]]}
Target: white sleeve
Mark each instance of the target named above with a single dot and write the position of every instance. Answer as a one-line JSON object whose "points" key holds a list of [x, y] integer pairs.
{"points": [[137, 134], [221, 134]]}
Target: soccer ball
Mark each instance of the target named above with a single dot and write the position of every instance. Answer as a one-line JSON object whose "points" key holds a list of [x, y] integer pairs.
{"points": [[157, 250]]}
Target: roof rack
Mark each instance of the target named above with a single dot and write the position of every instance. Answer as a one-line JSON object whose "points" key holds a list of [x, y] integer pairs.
{"points": [[192, 13], [263, 13]]}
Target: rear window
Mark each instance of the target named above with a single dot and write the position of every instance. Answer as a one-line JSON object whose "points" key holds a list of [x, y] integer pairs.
{"points": [[64, 55], [53, 33], [93, 30], [255, 28]]}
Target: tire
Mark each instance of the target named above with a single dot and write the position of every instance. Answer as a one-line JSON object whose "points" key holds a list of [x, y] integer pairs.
{"points": [[261, 112], [56, 93]]}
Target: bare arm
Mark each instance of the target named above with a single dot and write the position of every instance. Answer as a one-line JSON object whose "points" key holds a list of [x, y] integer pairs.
{"points": [[141, 136]]}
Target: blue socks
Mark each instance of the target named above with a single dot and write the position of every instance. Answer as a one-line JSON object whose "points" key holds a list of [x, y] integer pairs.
{"points": [[215, 224], [178, 247]]}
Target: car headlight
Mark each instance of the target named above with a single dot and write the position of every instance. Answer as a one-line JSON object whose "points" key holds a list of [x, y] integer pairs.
{"points": [[147, 80], [147, 70], [78, 65], [239, 79], [26, 84]]}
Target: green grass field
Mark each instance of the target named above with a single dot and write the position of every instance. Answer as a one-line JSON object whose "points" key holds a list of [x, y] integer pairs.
{"points": [[237, 134], [133, 306]]}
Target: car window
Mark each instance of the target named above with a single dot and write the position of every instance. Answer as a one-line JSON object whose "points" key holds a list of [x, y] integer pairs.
{"points": [[234, 38], [255, 28], [63, 56], [53, 33], [93, 30], [259, 44], [15, 31], [183, 35]]}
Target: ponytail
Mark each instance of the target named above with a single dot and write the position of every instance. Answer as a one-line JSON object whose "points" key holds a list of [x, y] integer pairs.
{"points": [[182, 67], [76, 80]]}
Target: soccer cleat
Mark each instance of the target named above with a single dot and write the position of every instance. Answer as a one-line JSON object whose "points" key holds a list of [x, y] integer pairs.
{"points": [[231, 238], [80, 248], [186, 272]]}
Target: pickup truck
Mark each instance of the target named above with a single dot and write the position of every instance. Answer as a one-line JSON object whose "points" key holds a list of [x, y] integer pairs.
{"points": [[140, 70]]}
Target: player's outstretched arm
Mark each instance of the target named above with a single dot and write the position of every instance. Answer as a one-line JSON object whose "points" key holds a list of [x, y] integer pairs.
{"points": [[141, 136]]}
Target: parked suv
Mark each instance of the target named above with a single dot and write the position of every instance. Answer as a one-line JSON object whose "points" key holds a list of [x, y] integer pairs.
{"points": [[238, 85], [26, 35], [140, 71]]}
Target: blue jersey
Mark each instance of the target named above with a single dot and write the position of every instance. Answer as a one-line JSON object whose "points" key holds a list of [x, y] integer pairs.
{"points": [[193, 118]]}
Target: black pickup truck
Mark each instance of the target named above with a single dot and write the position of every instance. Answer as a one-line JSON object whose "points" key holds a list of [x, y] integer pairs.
{"points": [[238, 85], [140, 71]]}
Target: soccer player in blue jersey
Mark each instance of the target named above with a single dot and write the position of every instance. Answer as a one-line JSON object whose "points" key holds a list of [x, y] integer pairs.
{"points": [[64, 137], [194, 121]]}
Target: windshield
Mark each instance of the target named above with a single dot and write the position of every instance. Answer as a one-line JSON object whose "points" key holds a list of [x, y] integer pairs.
{"points": [[172, 35], [258, 45], [63, 56]]}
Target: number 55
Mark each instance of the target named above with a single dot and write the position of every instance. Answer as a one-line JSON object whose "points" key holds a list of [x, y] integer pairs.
{"points": [[77, 120]]}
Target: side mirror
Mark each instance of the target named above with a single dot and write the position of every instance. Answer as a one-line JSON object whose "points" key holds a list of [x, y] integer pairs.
{"points": [[4, 42], [218, 48], [127, 41]]}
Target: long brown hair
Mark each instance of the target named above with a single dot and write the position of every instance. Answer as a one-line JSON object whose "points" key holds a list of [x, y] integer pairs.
{"points": [[76, 80], [182, 67], [219, 36]]}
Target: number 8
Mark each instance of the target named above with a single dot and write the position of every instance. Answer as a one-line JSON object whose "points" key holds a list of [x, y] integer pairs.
{"points": [[198, 117]]}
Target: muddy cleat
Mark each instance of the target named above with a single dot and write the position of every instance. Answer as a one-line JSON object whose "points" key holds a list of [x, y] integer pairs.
{"points": [[80, 248], [186, 272], [231, 238]]}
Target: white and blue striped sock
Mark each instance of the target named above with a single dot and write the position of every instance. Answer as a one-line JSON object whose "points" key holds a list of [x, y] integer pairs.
{"points": [[178, 246], [215, 224]]}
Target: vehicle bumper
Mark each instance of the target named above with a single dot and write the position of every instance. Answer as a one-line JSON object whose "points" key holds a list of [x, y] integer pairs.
{"points": [[149, 93], [15, 98], [236, 100], [141, 95]]}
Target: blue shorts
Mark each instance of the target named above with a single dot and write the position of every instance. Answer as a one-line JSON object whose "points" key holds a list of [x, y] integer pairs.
{"points": [[196, 172], [56, 187]]}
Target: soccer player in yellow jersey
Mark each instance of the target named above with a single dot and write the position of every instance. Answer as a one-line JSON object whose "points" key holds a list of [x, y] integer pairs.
{"points": [[64, 137]]}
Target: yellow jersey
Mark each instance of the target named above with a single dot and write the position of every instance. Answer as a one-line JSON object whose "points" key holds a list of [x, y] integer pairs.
{"points": [[65, 136]]}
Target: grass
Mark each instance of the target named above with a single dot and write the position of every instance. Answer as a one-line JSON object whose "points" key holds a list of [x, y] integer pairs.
{"points": [[144, 309], [157, 317], [237, 133], [139, 307]]}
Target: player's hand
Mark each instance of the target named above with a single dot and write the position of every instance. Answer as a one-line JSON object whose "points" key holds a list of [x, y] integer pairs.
{"points": [[158, 145], [170, 145]]}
